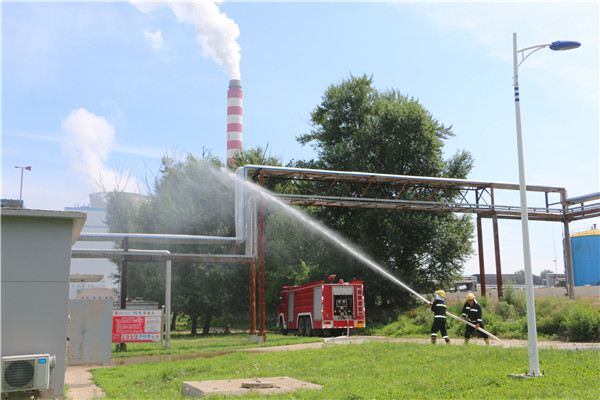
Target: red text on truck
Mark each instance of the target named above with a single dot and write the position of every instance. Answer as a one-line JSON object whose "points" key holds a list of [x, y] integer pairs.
{"points": [[314, 307]]}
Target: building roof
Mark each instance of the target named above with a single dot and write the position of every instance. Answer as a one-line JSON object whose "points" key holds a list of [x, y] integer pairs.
{"points": [[590, 232], [516, 279]]}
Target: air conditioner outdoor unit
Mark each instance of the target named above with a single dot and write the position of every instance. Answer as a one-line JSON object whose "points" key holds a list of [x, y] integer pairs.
{"points": [[28, 372]]}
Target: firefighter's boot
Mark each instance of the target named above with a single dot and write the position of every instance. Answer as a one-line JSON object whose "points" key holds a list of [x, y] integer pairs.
{"points": [[487, 341], [447, 340], [433, 340]]}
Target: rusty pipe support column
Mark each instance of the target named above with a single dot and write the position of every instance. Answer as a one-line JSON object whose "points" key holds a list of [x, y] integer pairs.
{"points": [[481, 258], [497, 252], [252, 285], [567, 248]]}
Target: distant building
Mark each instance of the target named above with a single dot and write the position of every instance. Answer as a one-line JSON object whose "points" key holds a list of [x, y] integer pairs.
{"points": [[517, 280], [97, 294], [10, 203], [95, 223], [556, 280], [79, 282], [466, 284], [137, 304]]}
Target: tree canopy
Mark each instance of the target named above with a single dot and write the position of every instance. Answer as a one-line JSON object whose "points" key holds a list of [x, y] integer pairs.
{"points": [[359, 128]]}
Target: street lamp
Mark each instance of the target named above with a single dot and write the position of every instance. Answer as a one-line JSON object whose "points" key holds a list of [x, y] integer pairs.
{"points": [[534, 363], [28, 168]]}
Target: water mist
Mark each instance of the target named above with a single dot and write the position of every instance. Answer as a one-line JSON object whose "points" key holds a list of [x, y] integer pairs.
{"points": [[332, 236]]}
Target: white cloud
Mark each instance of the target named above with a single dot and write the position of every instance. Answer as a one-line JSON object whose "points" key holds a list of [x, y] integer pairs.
{"points": [[147, 6], [88, 140], [156, 40]]}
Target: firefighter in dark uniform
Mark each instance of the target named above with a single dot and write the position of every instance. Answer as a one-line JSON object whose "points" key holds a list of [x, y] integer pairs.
{"points": [[439, 317], [472, 312]]}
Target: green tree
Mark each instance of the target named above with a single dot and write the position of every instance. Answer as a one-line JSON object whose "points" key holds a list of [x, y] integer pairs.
{"points": [[358, 128], [544, 273], [189, 196], [255, 156]]}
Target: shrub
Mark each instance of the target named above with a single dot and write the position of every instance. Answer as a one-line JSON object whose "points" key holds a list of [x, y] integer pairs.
{"points": [[484, 302], [550, 320], [582, 323], [508, 329], [514, 298], [506, 310]]}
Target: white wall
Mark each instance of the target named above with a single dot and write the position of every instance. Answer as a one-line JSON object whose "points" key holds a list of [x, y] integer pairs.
{"points": [[36, 255]]}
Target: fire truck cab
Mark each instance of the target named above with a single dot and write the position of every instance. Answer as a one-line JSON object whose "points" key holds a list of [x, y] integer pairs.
{"points": [[316, 307]]}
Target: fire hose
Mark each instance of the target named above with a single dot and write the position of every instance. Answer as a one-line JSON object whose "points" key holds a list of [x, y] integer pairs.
{"points": [[474, 326], [460, 319]]}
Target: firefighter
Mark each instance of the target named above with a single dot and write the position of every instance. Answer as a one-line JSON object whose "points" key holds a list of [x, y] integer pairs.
{"points": [[439, 319], [472, 312]]}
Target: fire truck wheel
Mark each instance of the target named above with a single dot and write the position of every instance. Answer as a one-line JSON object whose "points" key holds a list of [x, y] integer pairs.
{"points": [[301, 326], [308, 331]]}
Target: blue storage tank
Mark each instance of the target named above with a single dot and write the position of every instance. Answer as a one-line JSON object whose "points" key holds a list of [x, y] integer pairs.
{"points": [[585, 250]]}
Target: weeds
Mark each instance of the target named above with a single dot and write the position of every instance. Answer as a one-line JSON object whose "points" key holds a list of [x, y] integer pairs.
{"points": [[565, 319]]}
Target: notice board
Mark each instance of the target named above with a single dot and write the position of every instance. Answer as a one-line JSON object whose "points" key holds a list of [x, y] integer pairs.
{"points": [[136, 326]]}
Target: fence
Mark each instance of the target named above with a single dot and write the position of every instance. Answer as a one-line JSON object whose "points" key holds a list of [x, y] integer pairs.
{"points": [[540, 292]]}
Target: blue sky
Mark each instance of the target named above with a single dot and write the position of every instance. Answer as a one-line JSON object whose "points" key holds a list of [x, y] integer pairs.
{"points": [[105, 89]]}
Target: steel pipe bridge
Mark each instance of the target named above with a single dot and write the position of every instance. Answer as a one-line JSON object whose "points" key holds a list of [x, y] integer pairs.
{"points": [[323, 188]]}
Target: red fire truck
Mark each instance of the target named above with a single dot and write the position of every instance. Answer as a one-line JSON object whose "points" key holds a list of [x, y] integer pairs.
{"points": [[315, 307]]}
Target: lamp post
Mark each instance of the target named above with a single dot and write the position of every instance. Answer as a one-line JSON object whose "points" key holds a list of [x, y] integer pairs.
{"points": [[534, 363], [28, 168]]}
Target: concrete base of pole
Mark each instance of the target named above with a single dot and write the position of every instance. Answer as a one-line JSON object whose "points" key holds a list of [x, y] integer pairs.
{"points": [[257, 339], [525, 376]]}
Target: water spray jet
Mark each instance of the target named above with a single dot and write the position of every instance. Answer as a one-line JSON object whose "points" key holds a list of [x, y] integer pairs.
{"points": [[339, 241]]}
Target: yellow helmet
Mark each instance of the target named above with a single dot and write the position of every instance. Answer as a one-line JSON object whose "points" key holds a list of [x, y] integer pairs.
{"points": [[441, 293], [470, 296]]}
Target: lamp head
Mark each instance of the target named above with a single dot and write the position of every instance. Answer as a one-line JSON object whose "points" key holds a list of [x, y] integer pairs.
{"points": [[564, 45]]}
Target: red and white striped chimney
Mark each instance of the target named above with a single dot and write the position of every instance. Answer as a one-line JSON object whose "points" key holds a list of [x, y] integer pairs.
{"points": [[234, 119]]}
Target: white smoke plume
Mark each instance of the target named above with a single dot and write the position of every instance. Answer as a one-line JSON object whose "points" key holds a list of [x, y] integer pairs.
{"points": [[215, 31], [88, 139]]}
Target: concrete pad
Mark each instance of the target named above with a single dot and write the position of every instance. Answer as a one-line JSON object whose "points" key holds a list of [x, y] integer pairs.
{"points": [[238, 387]]}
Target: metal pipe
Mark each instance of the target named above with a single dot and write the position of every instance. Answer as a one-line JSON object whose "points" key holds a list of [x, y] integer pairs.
{"points": [[156, 255], [365, 176], [168, 304], [261, 266], [124, 276]]}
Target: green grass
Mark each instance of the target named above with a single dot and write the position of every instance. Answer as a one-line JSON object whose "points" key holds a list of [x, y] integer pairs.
{"points": [[186, 344], [375, 370]]}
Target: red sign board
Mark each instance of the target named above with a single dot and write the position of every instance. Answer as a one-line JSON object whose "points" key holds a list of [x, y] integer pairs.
{"points": [[136, 326]]}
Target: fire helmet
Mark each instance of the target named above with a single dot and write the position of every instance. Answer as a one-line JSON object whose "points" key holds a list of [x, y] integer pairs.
{"points": [[441, 293], [470, 296]]}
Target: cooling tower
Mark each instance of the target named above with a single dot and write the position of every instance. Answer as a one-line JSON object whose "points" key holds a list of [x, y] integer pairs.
{"points": [[234, 119]]}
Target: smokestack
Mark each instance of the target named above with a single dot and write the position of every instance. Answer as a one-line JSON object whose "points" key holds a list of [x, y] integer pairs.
{"points": [[234, 119]]}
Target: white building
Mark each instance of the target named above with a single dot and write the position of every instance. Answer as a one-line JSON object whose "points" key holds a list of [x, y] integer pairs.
{"points": [[96, 213]]}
